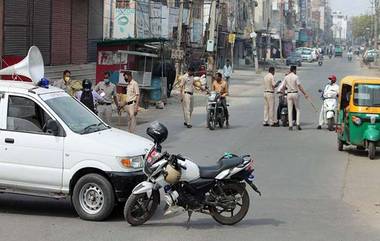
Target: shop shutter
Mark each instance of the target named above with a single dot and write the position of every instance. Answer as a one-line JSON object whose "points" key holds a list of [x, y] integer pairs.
{"points": [[41, 27], [1, 28], [61, 32], [16, 27], [95, 27], [79, 31]]}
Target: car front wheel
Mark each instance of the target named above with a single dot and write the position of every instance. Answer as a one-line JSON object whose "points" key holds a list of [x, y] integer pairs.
{"points": [[93, 197]]}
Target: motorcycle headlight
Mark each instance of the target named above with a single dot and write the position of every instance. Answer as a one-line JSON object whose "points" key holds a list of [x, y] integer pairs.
{"points": [[132, 162]]}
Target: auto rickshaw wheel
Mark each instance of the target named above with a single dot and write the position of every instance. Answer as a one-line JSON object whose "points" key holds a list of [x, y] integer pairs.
{"points": [[340, 145], [371, 150]]}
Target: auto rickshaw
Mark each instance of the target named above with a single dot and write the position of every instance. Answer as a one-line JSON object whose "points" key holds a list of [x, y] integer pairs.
{"points": [[359, 113]]}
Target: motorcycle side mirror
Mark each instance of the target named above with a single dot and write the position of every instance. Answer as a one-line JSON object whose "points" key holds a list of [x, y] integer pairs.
{"points": [[320, 91]]}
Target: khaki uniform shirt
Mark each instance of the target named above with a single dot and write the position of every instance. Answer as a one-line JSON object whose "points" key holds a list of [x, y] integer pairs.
{"points": [[221, 87], [106, 91], [132, 91], [291, 82], [66, 86], [269, 83], [187, 82]]}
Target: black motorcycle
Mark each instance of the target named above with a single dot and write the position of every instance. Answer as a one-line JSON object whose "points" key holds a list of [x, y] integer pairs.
{"points": [[215, 111], [282, 111]]}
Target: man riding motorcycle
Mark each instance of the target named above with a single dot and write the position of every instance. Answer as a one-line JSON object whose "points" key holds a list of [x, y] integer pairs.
{"points": [[220, 86], [331, 89]]}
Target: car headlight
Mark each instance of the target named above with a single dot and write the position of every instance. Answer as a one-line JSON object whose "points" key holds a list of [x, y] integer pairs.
{"points": [[132, 162]]}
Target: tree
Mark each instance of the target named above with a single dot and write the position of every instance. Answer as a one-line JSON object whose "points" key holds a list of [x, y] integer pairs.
{"points": [[360, 25]]}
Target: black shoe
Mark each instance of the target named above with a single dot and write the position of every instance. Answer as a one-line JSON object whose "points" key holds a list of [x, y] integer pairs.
{"points": [[185, 124], [290, 128], [265, 124], [189, 126], [275, 125], [299, 128], [319, 127]]}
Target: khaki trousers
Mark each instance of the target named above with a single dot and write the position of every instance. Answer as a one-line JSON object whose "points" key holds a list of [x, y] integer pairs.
{"points": [[293, 99], [187, 106], [105, 113], [269, 105], [131, 117]]}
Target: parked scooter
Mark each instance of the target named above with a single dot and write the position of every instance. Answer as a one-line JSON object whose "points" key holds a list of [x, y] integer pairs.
{"points": [[329, 107], [215, 111], [219, 191]]}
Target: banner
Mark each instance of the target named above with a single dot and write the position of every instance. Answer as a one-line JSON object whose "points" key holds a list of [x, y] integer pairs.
{"points": [[142, 19], [124, 21]]}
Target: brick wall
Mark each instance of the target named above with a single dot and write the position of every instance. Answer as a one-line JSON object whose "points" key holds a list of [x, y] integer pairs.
{"points": [[61, 32], [79, 31]]}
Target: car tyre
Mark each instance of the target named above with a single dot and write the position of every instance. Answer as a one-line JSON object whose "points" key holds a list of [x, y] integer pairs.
{"points": [[93, 197]]}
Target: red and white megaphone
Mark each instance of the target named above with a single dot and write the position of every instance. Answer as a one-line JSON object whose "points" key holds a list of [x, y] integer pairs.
{"points": [[32, 66]]}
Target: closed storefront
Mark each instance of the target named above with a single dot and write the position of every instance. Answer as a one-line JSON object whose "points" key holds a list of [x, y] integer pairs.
{"points": [[95, 27], [66, 31], [61, 32], [40, 29], [16, 27], [79, 31]]}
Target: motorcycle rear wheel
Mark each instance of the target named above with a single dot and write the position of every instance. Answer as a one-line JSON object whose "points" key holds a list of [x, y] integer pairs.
{"points": [[139, 208], [331, 124], [232, 189]]}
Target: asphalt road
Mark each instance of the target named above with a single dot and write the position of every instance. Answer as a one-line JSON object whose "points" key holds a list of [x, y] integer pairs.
{"points": [[302, 176]]}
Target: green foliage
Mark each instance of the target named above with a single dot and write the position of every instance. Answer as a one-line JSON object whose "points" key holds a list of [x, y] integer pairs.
{"points": [[360, 25]]}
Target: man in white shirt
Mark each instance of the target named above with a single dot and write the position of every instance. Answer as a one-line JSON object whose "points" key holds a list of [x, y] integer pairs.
{"points": [[227, 72], [331, 89]]}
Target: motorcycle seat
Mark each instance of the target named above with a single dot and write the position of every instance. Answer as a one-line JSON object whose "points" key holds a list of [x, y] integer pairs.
{"points": [[211, 172]]}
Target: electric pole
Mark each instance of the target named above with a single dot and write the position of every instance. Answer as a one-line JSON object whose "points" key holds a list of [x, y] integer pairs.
{"points": [[253, 36], [179, 40], [376, 21], [211, 38]]}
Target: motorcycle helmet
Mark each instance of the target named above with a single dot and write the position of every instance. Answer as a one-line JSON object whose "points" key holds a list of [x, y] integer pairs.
{"points": [[86, 85], [172, 175], [157, 131], [332, 78]]}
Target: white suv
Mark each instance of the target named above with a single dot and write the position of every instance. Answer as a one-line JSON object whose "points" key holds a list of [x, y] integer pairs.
{"points": [[51, 145]]}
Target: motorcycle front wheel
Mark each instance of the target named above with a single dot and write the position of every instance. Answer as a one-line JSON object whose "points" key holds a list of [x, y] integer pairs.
{"points": [[140, 208], [210, 120], [236, 211]]}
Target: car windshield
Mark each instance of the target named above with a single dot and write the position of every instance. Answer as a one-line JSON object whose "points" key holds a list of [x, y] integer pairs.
{"points": [[75, 115], [367, 95]]}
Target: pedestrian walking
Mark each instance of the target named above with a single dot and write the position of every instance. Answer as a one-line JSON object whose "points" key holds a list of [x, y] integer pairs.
{"points": [[227, 72], [269, 99], [88, 96], [293, 85], [67, 84], [132, 101], [107, 91], [187, 95]]}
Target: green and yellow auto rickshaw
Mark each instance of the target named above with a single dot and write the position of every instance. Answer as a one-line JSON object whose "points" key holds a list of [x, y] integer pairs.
{"points": [[359, 113]]}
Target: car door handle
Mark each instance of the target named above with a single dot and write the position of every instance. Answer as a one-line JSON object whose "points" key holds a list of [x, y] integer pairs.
{"points": [[9, 140]]}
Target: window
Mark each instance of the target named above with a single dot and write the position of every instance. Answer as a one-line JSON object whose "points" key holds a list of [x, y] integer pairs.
{"points": [[367, 95], [25, 115]]}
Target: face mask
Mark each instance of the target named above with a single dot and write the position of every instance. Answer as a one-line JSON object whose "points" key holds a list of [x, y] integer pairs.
{"points": [[107, 81]]}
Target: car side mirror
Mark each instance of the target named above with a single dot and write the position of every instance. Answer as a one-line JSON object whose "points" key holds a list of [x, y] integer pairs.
{"points": [[52, 127]]}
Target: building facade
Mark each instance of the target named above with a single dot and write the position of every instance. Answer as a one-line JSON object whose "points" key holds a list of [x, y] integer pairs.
{"points": [[66, 31], [339, 26]]}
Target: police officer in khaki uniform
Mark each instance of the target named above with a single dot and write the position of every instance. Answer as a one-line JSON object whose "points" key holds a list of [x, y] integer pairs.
{"points": [[293, 85], [132, 101], [66, 83], [269, 99], [187, 91], [107, 91]]}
